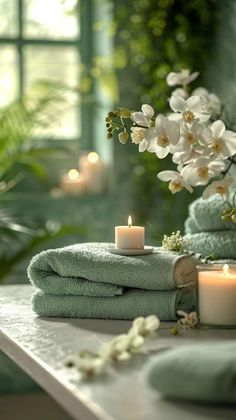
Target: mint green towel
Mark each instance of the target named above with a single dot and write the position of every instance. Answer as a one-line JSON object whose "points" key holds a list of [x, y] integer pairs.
{"points": [[133, 303], [197, 372], [205, 215], [222, 243], [91, 270]]}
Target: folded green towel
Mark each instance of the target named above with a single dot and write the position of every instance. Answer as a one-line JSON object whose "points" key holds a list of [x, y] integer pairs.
{"points": [[90, 270], [205, 215], [197, 372], [222, 244], [133, 303]]}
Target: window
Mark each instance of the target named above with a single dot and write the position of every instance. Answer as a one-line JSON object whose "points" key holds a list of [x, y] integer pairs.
{"points": [[40, 39]]}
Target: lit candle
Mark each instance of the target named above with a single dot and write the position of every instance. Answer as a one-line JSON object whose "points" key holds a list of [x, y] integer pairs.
{"points": [[129, 237], [217, 295], [93, 170], [73, 182]]}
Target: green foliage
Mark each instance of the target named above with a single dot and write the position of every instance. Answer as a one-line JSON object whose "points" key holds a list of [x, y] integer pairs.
{"points": [[156, 37]]}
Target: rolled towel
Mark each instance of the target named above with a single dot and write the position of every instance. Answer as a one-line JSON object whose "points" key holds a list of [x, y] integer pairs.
{"points": [[205, 215], [133, 303], [91, 270], [222, 244], [197, 372]]}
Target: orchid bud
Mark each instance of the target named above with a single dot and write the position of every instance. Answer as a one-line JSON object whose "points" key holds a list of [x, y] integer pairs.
{"points": [[123, 137], [233, 218], [125, 113]]}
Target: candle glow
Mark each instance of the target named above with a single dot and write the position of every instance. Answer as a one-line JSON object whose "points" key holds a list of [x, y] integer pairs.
{"points": [[73, 174], [93, 157], [129, 221]]}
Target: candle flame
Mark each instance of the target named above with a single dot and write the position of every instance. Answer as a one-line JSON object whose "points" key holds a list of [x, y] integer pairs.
{"points": [[225, 269], [93, 157], [129, 221], [73, 174]]}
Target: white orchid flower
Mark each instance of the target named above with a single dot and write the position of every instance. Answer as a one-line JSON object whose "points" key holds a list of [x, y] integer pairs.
{"points": [[180, 92], [221, 142], [143, 119], [145, 326], [181, 78], [212, 102], [188, 320], [160, 138], [177, 182], [188, 110], [202, 170], [219, 187]]}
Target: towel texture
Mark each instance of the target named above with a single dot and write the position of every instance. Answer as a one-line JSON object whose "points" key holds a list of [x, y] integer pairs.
{"points": [[86, 281], [91, 270], [205, 215], [133, 303], [222, 244], [200, 372]]}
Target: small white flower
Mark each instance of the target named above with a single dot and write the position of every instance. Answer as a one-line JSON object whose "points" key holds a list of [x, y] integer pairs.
{"points": [[188, 110], [143, 119], [116, 349], [202, 170], [219, 187], [145, 326], [181, 78], [221, 142], [177, 182], [180, 92], [213, 103], [163, 136], [138, 137], [174, 242], [89, 365], [188, 320]]}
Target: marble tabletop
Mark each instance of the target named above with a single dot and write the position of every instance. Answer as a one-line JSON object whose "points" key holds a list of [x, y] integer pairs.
{"points": [[40, 346]]}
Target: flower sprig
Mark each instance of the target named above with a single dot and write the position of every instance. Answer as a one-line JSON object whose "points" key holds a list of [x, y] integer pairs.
{"points": [[119, 349], [174, 242], [191, 132]]}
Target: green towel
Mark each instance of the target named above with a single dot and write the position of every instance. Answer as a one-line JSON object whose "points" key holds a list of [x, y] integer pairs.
{"points": [[133, 303], [205, 215], [222, 244], [90, 270], [197, 372]]}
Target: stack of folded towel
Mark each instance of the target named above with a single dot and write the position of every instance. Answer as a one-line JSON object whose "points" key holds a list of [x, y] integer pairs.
{"points": [[87, 281], [205, 230]]}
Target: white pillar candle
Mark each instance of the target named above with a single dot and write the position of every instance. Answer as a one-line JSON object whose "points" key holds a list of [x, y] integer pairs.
{"points": [[73, 183], [217, 295], [129, 237], [93, 170]]}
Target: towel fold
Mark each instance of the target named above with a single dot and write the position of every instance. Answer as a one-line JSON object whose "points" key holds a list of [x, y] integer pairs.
{"points": [[205, 215], [198, 372], [133, 303], [91, 270], [87, 281], [221, 243]]}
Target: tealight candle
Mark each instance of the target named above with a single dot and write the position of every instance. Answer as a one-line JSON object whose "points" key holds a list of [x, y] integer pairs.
{"points": [[73, 182], [217, 295], [129, 237]]}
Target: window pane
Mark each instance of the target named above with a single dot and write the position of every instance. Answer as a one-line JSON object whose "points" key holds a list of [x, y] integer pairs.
{"points": [[58, 64], [8, 13], [50, 19], [8, 77]]}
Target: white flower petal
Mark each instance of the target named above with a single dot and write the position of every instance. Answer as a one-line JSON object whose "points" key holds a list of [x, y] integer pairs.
{"points": [[177, 103], [143, 145], [147, 110], [162, 152], [218, 129], [172, 129], [168, 175], [140, 119], [194, 104], [229, 138]]}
